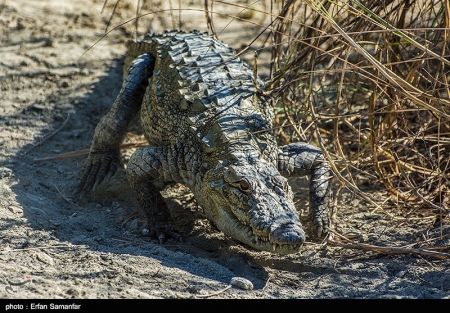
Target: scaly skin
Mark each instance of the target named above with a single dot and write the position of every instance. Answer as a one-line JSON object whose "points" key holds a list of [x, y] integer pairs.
{"points": [[209, 129]]}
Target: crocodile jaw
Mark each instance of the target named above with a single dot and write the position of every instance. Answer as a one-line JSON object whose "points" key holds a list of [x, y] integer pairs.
{"points": [[230, 225], [265, 220]]}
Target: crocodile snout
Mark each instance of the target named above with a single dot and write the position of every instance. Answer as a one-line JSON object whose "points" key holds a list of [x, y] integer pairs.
{"points": [[289, 234]]}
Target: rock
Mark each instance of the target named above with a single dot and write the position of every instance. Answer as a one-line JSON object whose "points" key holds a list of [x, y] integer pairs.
{"points": [[38, 107], [15, 209], [44, 258], [241, 283]]}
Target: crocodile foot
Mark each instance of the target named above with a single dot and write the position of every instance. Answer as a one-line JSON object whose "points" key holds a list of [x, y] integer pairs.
{"points": [[100, 166], [161, 232]]}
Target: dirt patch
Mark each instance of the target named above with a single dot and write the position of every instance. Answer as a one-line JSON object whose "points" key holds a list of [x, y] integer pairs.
{"points": [[52, 247]]}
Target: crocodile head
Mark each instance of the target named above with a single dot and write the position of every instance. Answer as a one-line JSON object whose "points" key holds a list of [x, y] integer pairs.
{"points": [[252, 203]]}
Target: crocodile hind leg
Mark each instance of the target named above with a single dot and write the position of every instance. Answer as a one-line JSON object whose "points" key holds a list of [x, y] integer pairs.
{"points": [[145, 172], [104, 155], [299, 159]]}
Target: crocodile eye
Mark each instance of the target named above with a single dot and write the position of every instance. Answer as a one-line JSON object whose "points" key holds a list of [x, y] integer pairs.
{"points": [[245, 185]]}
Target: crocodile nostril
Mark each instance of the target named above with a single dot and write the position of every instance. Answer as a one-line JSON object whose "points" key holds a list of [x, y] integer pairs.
{"points": [[289, 233]]}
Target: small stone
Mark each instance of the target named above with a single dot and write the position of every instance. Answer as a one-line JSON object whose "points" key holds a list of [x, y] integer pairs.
{"points": [[45, 258], [37, 107], [241, 283], [15, 209]]}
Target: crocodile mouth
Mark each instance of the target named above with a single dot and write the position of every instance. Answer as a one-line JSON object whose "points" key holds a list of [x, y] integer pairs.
{"points": [[259, 240]]}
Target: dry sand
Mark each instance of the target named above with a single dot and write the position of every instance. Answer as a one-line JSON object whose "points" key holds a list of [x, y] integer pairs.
{"points": [[52, 247]]}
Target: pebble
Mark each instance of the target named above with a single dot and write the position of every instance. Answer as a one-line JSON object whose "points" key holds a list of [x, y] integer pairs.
{"points": [[37, 107], [85, 71], [242, 283], [15, 209], [45, 258]]}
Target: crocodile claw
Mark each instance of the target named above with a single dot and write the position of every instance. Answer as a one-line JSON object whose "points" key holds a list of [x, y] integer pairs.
{"points": [[162, 233], [99, 167], [321, 220]]}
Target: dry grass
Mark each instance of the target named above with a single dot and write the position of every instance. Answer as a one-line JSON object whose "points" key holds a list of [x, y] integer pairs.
{"points": [[365, 80], [372, 78]]}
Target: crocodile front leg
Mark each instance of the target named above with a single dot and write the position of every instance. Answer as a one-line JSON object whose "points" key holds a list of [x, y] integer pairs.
{"points": [[103, 158], [147, 176], [299, 159]]}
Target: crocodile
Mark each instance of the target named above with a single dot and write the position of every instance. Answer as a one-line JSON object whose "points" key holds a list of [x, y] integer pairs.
{"points": [[209, 126]]}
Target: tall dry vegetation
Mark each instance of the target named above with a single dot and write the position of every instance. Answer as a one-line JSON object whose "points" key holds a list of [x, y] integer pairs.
{"points": [[369, 81], [366, 80]]}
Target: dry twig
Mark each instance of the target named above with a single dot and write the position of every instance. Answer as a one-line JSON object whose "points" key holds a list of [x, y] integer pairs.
{"points": [[348, 244], [214, 293]]}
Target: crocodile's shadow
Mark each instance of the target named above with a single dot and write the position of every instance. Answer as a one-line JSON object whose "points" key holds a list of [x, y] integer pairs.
{"points": [[44, 190]]}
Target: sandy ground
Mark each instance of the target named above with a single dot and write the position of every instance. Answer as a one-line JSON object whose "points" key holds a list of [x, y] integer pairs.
{"points": [[54, 247]]}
